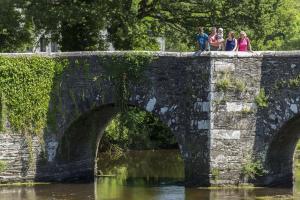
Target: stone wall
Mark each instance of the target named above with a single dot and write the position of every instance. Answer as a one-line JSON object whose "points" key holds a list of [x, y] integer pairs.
{"points": [[208, 102], [243, 133], [19, 159], [235, 84]]}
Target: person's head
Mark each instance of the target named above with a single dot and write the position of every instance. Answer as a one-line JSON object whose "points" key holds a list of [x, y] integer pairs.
{"points": [[231, 35], [200, 29], [243, 34], [220, 30], [213, 30]]}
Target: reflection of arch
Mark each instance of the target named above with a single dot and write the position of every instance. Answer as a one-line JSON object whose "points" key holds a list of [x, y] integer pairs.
{"points": [[79, 144], [280, 154]]}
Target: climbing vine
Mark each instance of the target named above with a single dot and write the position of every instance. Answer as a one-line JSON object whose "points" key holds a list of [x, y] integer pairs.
{"points": [[125, 70], [26, 84], [2, 112]]}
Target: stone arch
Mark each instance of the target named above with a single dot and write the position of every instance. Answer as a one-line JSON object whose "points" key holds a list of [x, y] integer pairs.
{"points": [[280, 154], [78, 147]]}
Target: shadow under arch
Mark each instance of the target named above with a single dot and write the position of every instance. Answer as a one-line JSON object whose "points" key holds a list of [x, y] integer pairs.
{"points": [[78, 147], [280, 154]]}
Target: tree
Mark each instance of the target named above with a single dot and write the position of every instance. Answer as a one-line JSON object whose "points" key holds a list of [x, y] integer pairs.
{"points": [[75, 24], [15, 31], [130, 25], [135, 24]]}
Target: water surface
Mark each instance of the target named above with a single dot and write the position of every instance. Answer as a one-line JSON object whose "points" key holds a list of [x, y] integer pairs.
{"points": [[139, 175]]}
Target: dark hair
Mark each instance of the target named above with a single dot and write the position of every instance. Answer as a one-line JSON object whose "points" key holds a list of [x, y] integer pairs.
{"points": [[200, 28], [231, 34]]}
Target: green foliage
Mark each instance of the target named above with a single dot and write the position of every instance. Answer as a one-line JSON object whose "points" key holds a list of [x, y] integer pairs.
{"points": [[223, 84], [15, 31], [251, 169], [229, 83], [137, 129], [215, 173], [125, 70], [134, 25], [3, 112], [75, 25], [261, 99], [26, 84], [298, 146], [240, 85], [3, 166], [247, 111], [291, 83]]}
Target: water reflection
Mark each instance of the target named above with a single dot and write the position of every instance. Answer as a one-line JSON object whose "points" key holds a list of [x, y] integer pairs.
{"points": [[154, 167], [145, 175], [181, 193], [141, 175], [48, 192]]}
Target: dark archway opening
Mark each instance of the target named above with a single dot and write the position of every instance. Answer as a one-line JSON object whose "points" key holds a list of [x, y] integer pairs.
{"points": [[137, 149], [132, 146], [280, 156]]}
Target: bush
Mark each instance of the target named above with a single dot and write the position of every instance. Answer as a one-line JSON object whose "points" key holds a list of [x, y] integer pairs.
{"points": [[251, 169]]}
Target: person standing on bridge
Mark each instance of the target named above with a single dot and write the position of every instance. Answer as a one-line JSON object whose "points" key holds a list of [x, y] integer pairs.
{"points": [[202, 40], [231, 42], [243, 43], [213, 40]]}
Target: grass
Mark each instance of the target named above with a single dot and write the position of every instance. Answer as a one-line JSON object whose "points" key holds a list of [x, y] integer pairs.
{"points": [[247, 111], [229, 83], [261, 99], [240, 85]]}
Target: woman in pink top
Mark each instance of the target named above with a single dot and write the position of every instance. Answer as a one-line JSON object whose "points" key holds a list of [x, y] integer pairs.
{"points": [[243, 43]]}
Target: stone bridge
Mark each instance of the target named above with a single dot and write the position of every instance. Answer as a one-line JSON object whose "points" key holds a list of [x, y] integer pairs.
{"points": [[227, 111]]}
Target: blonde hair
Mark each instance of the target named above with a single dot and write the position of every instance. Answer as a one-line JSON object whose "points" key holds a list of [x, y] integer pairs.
{"points": [[243, 33], [220, 30]]}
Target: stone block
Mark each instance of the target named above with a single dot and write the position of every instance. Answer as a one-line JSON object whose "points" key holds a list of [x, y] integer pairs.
{"points": [[223, 66], [226, 134]]}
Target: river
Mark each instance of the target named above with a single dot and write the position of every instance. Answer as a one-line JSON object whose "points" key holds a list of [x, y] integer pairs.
{"points": [[141, 175]]}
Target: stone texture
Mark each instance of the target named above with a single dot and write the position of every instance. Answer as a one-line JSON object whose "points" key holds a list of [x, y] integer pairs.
{"points": [[215, 129]]}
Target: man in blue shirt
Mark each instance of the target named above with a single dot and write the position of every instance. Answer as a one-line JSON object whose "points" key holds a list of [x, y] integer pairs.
{"points": [[202, 39]]}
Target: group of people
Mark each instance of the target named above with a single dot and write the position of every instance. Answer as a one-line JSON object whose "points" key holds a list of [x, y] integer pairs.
{"points": [[216, 42]]}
